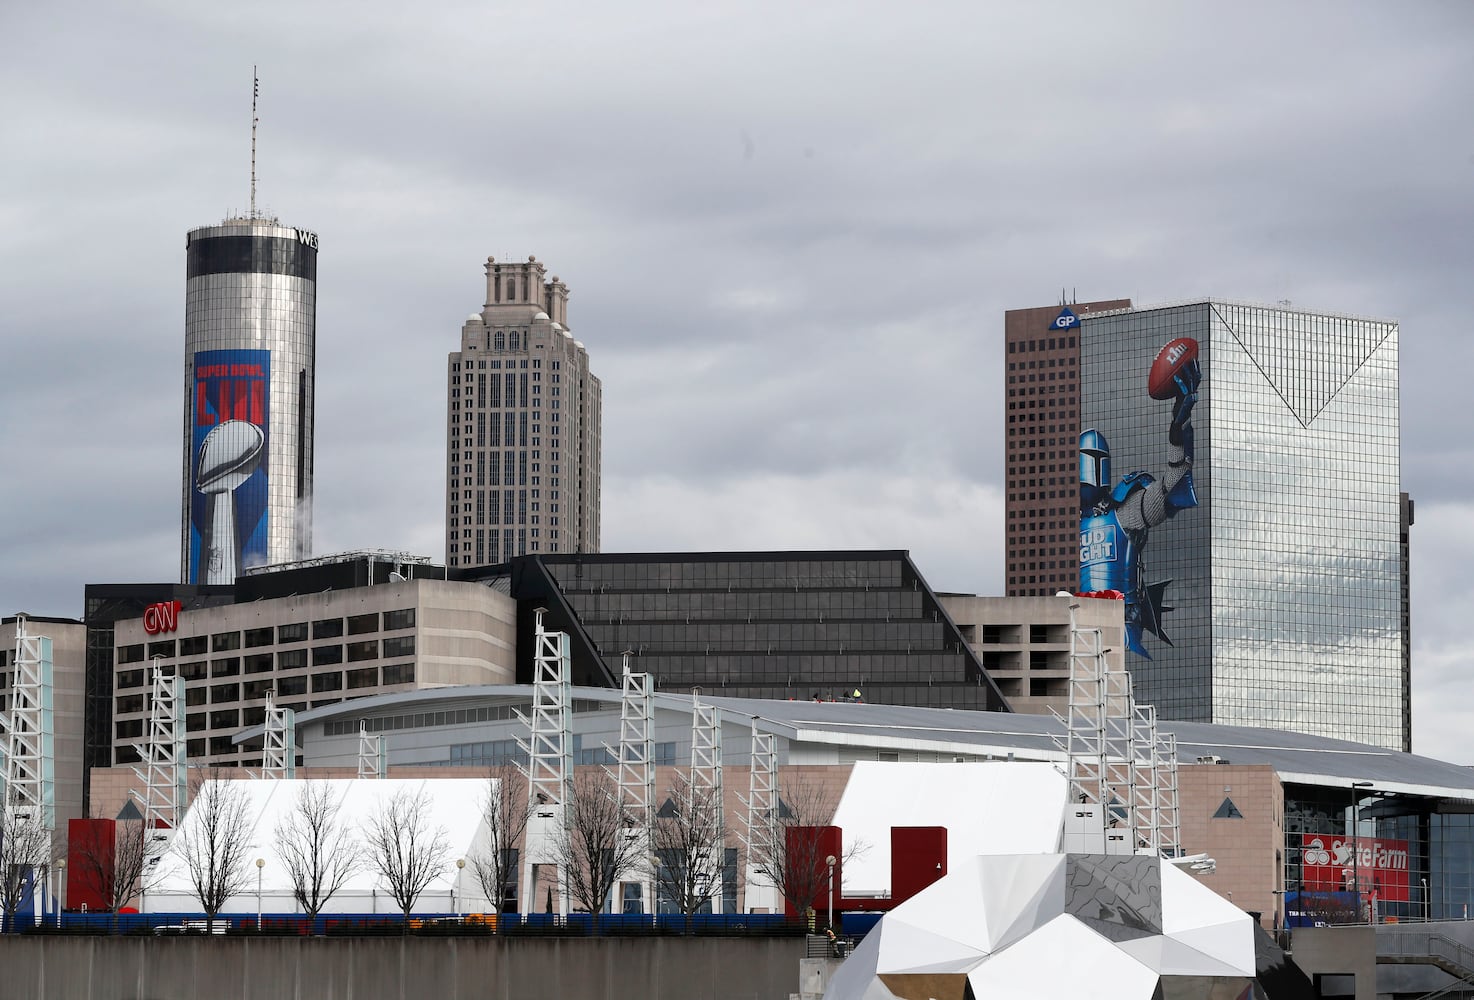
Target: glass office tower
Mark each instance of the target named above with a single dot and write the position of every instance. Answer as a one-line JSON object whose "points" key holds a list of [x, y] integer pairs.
{"points": [[250, 346], [1240, 484]]}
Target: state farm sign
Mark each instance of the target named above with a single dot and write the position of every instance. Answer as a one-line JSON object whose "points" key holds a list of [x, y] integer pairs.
{"points": [[161, 617], [1333, 863]]}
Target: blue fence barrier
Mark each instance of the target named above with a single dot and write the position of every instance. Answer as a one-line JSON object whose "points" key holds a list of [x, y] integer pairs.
{"points": [[444, 924]]}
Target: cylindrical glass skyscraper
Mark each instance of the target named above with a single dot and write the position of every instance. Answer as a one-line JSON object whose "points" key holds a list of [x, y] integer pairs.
{"points": [[249, 355]]}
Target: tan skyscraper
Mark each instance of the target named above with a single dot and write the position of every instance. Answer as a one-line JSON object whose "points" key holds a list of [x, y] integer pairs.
{"points": [[523, 426]]}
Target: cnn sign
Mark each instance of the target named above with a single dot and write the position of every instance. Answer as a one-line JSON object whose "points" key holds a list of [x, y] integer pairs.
{"points": [[161, 617]]}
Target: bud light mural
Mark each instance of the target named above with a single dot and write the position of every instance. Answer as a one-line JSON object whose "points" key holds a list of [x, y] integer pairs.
{"points": [[228, 469], [1117, 515]]}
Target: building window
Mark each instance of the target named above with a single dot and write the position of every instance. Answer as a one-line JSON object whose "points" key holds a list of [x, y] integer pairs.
{"points": [[399, 673], [226, 667], [296, 632], [327, 628], [130, 654], [368, 650], [327, 682], [363, 624], [403, 645], [192, 645], [364, 678], [225, 640], [258, 637], [322, 655]]}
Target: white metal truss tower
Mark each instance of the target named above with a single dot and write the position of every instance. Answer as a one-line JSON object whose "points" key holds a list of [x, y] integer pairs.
{"points": [[164, 774], [279, 753], [762, 795], [706, 750], [761, 832], [1120, 758], [706, 776], [635, 773], [549, 752], [549, 744], [1084, 742], [373, 762], [1168, 819], [634, 770], [29, 754], [1148, 803]]}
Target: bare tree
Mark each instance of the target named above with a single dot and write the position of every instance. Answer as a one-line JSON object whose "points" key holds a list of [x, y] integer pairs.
{"points": [[319, 852], [595, 847], [214, 842], [25, 851], [116, 867], [504, 811], [689, 842], [796, 863], [406, 851]]}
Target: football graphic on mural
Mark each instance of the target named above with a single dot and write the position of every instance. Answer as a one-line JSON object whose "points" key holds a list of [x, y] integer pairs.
{"points": [[1171, 359]]}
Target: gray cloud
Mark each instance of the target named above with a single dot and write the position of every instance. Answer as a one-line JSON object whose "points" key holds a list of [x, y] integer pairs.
{"points": [[790, 233]]}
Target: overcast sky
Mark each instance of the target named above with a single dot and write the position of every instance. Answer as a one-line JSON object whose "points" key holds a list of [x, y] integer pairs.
{"points": [[790, 232]]}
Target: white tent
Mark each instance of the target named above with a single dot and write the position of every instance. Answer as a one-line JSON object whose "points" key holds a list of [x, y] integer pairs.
{"points": [[988, 807], [453, 804]]}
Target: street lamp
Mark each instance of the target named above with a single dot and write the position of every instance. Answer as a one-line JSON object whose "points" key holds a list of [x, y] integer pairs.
{"points": [[260, 864], [1355, 845], [830, 861], [455, 892], [1426, 916], [61, 871]]}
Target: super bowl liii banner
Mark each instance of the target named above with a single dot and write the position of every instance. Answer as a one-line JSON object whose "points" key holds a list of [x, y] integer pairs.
{"points": [[228, 512]]}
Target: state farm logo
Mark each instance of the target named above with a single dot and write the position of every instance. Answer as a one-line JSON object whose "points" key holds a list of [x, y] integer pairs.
{"points": [[161, 617], [1316, 853]]}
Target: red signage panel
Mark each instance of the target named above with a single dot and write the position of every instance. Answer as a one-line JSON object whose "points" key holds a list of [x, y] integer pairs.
{"points": [[1333, 863], [162, 617]]}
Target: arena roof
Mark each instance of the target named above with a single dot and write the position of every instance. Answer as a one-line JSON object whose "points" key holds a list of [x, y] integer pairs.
{"points": [[1297, 757]]}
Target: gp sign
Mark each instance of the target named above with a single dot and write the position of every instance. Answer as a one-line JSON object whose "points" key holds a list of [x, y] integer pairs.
{"points": [[162, 617]]}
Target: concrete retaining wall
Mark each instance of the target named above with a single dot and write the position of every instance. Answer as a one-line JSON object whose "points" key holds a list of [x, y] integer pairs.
{"points": [[222, 968]]}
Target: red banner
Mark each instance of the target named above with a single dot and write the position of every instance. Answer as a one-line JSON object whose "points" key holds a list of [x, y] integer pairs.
{"points": [[1333, 863]]}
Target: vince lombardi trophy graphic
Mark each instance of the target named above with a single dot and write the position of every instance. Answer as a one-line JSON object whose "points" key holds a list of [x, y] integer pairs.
{"points": [[228, 456]]}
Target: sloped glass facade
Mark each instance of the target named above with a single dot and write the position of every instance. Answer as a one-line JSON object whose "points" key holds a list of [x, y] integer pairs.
{"points": [[772, 625], [1280, 588]]}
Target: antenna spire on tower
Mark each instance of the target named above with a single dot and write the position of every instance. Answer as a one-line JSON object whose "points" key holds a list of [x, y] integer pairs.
{"points": [[255, 93]]}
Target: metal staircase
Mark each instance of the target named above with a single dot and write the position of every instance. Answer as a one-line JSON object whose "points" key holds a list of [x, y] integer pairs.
{"points": [[1436, 950]]}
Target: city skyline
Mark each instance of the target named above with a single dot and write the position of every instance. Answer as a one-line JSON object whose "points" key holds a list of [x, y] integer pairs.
{"points": [[796, 289]]}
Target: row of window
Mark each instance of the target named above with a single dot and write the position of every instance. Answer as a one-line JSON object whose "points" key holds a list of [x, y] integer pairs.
{"points": [[454, 717], [324, 628], [287, 659], [198, 695]]}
